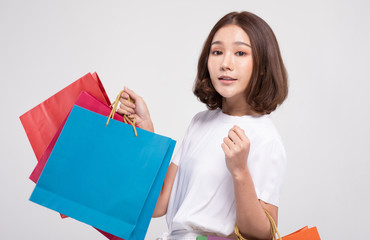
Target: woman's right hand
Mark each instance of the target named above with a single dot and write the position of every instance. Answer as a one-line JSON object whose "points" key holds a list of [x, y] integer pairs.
{"points": [[137, 110]]}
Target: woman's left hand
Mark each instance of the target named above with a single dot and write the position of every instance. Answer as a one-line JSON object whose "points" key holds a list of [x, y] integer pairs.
{"points": [[236, 148]]}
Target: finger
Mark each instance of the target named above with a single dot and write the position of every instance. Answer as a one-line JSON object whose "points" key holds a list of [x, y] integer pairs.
{"points": [[226, 149], [124, 95], [126, 109], [230, 144], [131, 93], [123, 112], [241, 134], [234, 137], [127, 103], [132, 116]]}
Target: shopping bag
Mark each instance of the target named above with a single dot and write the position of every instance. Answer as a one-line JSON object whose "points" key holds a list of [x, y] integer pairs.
{"points": [[103, 175], [304, 234], [86, 101], [89, 102], [42, 122]]}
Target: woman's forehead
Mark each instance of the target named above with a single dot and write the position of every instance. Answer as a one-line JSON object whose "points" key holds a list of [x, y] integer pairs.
{"points": [[231, 34]]}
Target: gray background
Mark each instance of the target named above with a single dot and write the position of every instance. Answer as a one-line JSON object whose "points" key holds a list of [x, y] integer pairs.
{"points": [[153, 47]]}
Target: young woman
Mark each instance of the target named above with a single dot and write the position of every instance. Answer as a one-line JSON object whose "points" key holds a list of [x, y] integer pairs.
{"points": [[230, 165]]}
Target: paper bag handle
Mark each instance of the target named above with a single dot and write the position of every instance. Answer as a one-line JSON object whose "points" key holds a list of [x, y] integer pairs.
{"points": [[125, 117], [273, 228]]}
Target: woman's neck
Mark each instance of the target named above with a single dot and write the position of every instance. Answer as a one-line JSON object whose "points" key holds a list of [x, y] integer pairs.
{"points": [[237, 108]]}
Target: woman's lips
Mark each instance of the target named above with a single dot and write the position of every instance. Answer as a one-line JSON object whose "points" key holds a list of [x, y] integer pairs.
{"points": [[227, 79]]}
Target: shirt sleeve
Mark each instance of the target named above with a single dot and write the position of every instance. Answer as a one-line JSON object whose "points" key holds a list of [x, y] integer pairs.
{"points": [[267, 170], [179, 152]]}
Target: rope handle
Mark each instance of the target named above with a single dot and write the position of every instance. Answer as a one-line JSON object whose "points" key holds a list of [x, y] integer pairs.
{"points": [[126, 118], [273, 228]]}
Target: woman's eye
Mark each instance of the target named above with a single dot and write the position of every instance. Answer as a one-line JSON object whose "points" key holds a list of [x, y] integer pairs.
{"points": [[240, 53], [216, 52]]}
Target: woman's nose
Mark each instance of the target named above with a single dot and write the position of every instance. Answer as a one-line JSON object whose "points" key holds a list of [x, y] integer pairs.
{"points": [[227, 62]]}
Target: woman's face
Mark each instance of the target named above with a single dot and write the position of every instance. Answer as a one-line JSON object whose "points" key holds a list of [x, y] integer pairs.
{"points": [[230, 62]]}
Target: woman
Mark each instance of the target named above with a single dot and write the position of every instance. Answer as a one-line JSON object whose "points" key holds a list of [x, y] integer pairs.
{"points": [[230, 165]]}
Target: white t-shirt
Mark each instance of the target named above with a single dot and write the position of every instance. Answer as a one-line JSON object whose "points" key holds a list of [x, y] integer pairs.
{"points": [[202, 198]]}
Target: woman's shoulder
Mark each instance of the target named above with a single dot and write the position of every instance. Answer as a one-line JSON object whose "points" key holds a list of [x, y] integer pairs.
{"points": [[205, 115], [266, 127], [262, 131]]}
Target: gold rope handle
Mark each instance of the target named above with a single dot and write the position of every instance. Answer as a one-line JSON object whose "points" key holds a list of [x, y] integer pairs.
{"points": [[238, 234], [125, 117], [273, 228]]}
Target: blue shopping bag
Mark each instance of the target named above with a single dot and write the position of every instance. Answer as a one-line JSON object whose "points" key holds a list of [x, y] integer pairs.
{"points": [[103, 175]]}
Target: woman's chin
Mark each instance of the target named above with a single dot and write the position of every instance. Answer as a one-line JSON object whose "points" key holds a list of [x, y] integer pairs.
{"points": [[227, 94]]}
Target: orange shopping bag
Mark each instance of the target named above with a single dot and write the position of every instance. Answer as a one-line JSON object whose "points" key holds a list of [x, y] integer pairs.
{"points": [[304, 233]]}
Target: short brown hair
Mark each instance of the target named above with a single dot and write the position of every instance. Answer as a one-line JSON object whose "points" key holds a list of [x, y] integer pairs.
{"points": [[268, 86]]}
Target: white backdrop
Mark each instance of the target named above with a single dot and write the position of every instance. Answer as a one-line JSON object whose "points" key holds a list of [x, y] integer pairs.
{"points": [[153, 48]]}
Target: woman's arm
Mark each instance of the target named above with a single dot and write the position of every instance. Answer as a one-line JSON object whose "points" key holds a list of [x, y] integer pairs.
{"points": [[164, 196], [250, 216]]}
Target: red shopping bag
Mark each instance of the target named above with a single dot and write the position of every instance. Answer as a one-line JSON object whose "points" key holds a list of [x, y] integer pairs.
{"points": [[42, 122]]}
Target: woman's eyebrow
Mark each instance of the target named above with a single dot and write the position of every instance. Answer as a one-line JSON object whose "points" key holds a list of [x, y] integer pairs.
{"points": [[236, 43], [242, 43], [216, 42]]}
